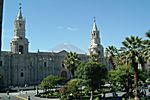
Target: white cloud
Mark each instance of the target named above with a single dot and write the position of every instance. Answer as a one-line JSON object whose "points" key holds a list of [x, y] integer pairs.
{"points": [[71, 29], [67, 28]]}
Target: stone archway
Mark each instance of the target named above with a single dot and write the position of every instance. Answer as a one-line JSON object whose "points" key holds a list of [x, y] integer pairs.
{"points": [[64, 74]]}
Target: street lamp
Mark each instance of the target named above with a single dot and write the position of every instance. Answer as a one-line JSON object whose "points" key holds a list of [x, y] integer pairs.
{"points": [[37, 92], [25, 87], [1, 18], [8, 94]]}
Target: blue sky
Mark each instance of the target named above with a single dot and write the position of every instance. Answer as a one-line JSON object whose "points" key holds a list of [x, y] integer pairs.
{"points": [[52, 22]]}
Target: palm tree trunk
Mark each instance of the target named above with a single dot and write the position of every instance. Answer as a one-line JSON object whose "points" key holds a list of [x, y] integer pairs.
{"points": [[91, 98], [136, 81], [143, 66], [127, 87], [72, 74], [112, 63]]}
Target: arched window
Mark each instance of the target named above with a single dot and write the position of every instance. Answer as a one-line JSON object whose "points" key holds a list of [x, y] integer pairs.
{"points": [[21, 74], [45, 64], [64, 74], [20, 49], [94, 34], [1, 63]]}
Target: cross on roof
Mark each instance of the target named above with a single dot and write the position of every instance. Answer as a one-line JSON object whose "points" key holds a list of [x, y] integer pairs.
{"points": [[94, 19]]}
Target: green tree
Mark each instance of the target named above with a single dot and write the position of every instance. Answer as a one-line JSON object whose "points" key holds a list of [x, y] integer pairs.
{"points": [[146, 50], [122, 58], [148, 34], [132, 50], [71, 62], [93, 74], [112, 52], [49, 82], [94, 57], [122, 78], [73, 86]]}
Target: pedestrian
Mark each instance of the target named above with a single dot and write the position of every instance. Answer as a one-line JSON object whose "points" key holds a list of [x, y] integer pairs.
{"points": [[7, 92], [9, 97], [28, 97]]}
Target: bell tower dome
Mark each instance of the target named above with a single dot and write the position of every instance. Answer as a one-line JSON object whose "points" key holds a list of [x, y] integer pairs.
{"points": [[19, 43]]}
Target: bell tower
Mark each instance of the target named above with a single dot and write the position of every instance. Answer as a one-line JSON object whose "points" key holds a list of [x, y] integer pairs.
{"points": [[19, 43], [95, 43]]}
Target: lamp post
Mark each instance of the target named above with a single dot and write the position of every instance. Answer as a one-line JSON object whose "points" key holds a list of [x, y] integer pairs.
{"points": [[1, 18], [25, 86], [37, 91]]}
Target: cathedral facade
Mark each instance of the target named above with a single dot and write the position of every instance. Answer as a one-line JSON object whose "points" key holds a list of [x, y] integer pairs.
{"points": [[19, 66]]}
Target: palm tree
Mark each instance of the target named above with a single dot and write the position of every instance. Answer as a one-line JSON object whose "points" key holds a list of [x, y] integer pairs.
{"points": [[94, 57], [146, 50], [112, 52], [122, 57], [137, 43], [70, 62], [148, 34], [132, 50]]}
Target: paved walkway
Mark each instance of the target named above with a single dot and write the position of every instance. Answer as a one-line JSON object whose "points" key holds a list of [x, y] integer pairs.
{"points": [[22, 95], [32, 93]]}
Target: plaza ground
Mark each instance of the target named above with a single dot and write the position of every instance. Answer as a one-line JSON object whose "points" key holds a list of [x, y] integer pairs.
{"points": [[22, 95]]}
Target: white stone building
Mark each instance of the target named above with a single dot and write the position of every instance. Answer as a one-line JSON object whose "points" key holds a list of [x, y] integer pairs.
{"points": [[19, 66]]}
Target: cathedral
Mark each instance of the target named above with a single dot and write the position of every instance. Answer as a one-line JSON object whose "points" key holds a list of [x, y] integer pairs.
{"points": [[19, 66]]}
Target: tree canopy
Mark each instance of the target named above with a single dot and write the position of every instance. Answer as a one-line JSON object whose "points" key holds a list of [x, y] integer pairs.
{"points": [[122, 78], [49, 82], [93, 74], [71, 62]]}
